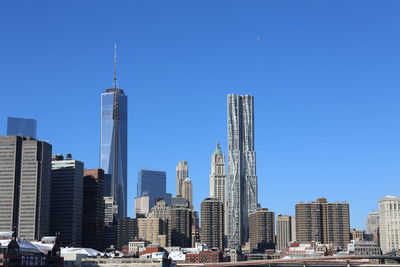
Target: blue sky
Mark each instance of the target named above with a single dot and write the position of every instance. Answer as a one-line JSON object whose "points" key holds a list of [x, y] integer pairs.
{"points": [[325, 76]]}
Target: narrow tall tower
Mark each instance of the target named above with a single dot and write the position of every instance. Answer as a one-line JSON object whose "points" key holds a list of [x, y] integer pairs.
{"points": [[217, 176], [187, 191], [182, 172], [114, 142], [242, 196]]}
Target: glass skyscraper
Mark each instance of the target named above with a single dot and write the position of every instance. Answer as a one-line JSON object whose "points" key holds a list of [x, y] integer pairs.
{"points": [[113, 144], [152, 184], [21, 127]]}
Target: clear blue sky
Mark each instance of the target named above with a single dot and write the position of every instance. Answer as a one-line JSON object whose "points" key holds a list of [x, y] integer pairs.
{"points": [[325, 76]]}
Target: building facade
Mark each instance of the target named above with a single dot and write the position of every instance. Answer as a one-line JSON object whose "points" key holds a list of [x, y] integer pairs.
{"points": [[389, 221], [114, 143], [285, 230], [212, 223], [372, 225], [21, 127], [93, 207], [262, 230], [127, 230], [154, 230], [324, 222], [181, 227], [187, 191], [142, 206], [25, 174], [218, 175], [182, 172], [152, 184], [67, 199], [242, 192]]}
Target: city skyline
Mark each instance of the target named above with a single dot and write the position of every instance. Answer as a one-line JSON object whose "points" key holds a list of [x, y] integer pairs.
{"points": [[317, 120]]}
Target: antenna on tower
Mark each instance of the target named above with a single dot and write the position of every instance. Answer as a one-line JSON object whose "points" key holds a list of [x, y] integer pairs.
{"points": [[115, 65]]}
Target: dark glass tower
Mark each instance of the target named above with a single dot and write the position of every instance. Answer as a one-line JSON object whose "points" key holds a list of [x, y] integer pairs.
{"points": [[152, 184], [114, 142], [21, 127]]}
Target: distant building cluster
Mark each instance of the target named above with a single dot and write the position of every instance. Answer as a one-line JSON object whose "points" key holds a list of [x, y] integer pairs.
{"points": [[44, 194]]}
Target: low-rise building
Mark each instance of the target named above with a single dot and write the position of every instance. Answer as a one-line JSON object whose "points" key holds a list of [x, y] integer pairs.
{"points": [[361, 247], [204, 256]]}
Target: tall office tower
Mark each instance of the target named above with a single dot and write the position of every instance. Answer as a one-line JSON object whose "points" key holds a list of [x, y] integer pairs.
{"points": [[217, 176], [389, 220], [187, 191], [154, 230], [114, 142], [109, 210], [152, 184], [262, 230], [25, 172], [181, 227], [127, 230], [212, 223], [241, 187], [324, 222], [67, 199], [160, 210], [93, 207], [142, 206], [182, 172], [285, 232], [21, 127], [372, 225]]}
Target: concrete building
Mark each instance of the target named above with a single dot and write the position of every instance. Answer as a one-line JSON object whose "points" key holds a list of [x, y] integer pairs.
{"points": [[285, 230], [357, 234], [67, 199], [21, 127], [218, 175], [212, 223], [154, 230], [127, 230], [25, 173], [372, 225], [187, 191], [114, 143], [262, 230], [181, 226], [389, 221], [242, 192], [93, 206], [152, 184], [142, 206], [160, 210], [362, 247], [182, 172], [324, 222], [109, 210]]}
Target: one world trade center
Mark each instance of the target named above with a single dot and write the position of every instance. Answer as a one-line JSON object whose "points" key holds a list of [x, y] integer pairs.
{"points": [[113, 144]]}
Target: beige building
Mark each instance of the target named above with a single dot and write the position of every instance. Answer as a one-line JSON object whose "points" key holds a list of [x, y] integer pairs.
{"points": [[389, 216], [187, 191], [142, 206], [324, 222], [262, 230], [182, 172], [285, 230], [218, 175], [153, 230], [372, 225], [212, 223]]}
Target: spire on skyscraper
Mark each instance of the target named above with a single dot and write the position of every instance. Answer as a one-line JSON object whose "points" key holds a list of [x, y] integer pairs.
{"points": [[115, 65]]}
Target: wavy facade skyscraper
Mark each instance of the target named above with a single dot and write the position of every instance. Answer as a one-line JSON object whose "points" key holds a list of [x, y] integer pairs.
{"points": [[114, 142], [242, 193]]}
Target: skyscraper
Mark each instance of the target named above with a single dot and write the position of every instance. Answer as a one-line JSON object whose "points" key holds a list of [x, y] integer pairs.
{"points": [[181, 227], [152, 184], [182, 172], [389, 221], [372, 225], [93, 207], [187, 191], [285, 230], [25, 186], [242, 194], [262, 230], [212, 223], [21, 127], [67, 199], [322, 221], [114, 142], [217, 176]]}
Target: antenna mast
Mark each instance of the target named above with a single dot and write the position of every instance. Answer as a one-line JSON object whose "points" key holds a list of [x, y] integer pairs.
{"points": [[115, 65]]}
